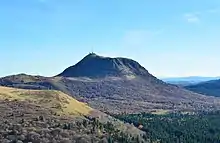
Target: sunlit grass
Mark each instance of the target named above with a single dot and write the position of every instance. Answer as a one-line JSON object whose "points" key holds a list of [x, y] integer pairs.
{"points": [[55, 100]]}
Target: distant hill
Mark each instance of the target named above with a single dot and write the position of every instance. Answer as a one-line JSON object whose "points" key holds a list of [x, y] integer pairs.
{"points": [[115, 85], [210, 88], [185, 81]]}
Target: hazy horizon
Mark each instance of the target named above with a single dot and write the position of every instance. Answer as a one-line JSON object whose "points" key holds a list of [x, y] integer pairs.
{"points": [[169, 38]]}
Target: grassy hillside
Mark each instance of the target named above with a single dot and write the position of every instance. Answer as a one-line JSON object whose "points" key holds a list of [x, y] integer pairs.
{"points": [[52, 116], [55, 100]]}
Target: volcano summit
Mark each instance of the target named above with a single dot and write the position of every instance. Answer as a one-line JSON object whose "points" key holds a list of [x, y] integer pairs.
{"points": [[95, 66]]}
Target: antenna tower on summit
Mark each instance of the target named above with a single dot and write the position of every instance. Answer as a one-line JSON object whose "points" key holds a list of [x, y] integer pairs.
{"points": [[92, 50]]}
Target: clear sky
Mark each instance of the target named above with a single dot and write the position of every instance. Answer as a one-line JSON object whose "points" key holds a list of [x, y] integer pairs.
{"points": [[168, 37]]}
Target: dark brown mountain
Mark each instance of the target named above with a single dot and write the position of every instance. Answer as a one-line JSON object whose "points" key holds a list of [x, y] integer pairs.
{"points": [[94, 66], [116, 85]]}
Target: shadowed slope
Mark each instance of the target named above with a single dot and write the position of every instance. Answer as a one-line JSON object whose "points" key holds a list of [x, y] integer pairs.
{"points": [[210, 88]]}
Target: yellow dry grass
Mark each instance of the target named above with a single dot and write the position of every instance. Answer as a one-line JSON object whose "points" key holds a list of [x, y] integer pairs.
{"points": [[55, 100], [160, 112]]}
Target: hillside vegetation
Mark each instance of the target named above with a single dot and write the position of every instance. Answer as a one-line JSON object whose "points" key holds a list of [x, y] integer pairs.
{"points": [[46, 116], [178, 128], [55, 100]]}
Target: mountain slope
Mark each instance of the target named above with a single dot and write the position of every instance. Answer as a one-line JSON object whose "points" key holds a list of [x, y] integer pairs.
{"points": [[135, 95], [116, 85], [52, 116], [25, 81], [95, 66], [51, 99], [210, 88]]}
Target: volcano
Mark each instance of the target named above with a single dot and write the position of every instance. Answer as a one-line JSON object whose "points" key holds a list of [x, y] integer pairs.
{"points": [[95, 66], [116, 85]]}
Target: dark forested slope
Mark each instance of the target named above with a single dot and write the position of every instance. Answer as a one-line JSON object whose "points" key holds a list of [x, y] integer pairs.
{"points": [[210, 88]]}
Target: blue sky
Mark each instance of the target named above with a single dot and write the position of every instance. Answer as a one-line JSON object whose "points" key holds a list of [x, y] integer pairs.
{"points": [[169, 38]]}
